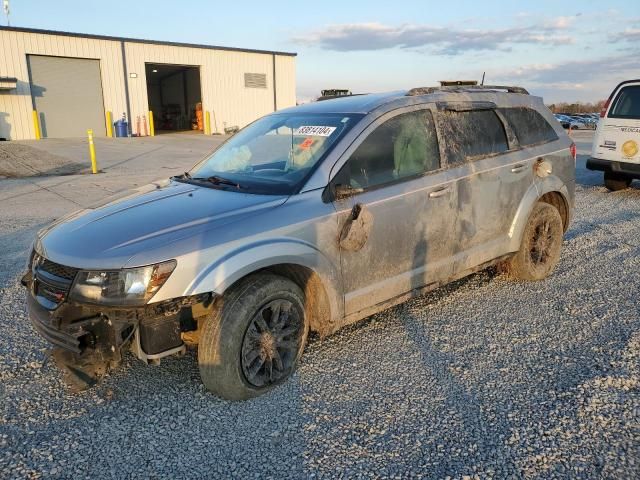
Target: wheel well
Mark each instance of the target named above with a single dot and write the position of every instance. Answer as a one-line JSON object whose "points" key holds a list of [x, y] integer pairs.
{"points": [[317, 306], [556, 199]]}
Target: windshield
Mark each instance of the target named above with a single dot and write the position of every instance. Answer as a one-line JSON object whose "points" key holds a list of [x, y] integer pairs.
{"points": [[275, 154], [627, 104]]}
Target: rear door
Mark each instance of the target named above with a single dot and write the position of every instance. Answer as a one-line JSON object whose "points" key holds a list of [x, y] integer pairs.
{"points": [[618, 132], [492, 177]]}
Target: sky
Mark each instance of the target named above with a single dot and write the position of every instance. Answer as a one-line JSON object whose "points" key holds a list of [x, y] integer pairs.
{"points": [[562, 50]]}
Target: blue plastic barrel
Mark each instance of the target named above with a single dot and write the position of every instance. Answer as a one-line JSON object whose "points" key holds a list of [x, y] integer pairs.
{"points": [[121, 128]]}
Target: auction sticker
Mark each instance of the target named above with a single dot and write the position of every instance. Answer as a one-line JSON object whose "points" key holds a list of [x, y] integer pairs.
{"points": [[315, 130]]}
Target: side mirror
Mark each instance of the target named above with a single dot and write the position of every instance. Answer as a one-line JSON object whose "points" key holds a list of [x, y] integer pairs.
{"points": [[356, 229], [345, 191]]}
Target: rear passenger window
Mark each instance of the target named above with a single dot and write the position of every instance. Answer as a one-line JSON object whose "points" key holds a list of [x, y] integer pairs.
{"points": [[404, 146], [529, 126], [627, 103], [472, 135]]}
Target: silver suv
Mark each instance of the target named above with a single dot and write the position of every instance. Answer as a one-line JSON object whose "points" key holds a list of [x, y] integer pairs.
{"points": [[307, 220]]}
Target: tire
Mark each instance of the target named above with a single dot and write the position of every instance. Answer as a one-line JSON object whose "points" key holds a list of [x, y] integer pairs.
{"points": [[615, 182], [242, 337], [537, 257]]}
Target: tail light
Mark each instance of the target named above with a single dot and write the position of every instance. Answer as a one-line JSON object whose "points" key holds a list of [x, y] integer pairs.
{"points": [[603, 112], [574, 151]]}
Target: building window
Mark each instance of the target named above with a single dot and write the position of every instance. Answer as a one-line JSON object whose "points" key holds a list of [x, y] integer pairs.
{"points": [[255, 80]]}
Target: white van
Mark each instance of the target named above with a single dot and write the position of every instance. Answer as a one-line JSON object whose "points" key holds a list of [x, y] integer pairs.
{"points": [[616, 146]]}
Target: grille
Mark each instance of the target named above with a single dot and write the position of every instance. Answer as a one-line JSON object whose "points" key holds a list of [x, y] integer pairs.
{"points": [[61, 271], [51, 293], [52, 281]]}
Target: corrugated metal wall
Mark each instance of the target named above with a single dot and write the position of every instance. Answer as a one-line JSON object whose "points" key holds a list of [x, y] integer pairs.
{"points": [[221, 74], [17, 123]]}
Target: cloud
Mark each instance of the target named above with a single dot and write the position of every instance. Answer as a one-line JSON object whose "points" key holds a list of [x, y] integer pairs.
{"points": [[439, 40], [627, 35], [583, 80], [577, 72]]}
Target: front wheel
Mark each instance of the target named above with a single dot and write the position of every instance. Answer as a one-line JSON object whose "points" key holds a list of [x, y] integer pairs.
{"points": [[615, 181], [254, 339], [541, 243]]}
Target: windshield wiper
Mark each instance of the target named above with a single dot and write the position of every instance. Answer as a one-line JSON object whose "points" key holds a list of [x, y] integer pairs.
{"points": [[216, 180]]}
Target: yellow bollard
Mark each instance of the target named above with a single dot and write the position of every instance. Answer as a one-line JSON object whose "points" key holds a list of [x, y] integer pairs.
{"points": [[36, 125], [207, 123], [152, 130], [92, 152], [109, 124]]}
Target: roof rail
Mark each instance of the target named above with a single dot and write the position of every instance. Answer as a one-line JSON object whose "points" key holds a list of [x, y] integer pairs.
{"points": [[464, 88]]}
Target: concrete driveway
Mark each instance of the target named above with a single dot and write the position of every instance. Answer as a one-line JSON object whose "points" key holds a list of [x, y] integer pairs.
{"points": [[27, 204]]}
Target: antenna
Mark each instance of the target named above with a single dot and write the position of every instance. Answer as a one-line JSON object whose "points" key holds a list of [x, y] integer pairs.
{"points": [[5, 7], [482, 82]]}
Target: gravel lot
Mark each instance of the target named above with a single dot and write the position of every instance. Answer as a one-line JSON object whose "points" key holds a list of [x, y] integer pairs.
{"points": [[483, 378]]}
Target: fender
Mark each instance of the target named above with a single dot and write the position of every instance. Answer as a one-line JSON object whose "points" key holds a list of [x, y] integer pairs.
{"points": [[226, 270], [541, 186]]}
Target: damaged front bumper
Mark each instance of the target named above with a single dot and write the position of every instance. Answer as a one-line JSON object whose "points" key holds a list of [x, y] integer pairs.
{"points": [[90, 339]]}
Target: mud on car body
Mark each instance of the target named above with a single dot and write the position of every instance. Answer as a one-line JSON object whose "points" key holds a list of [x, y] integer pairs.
{"points": [[308, 219]]}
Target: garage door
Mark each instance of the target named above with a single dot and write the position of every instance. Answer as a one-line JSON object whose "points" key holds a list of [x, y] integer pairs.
{"points": [[67, 93]]}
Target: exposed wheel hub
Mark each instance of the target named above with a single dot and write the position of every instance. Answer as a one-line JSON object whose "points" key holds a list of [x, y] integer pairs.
{"points": [[271, 343], [542, 243]]}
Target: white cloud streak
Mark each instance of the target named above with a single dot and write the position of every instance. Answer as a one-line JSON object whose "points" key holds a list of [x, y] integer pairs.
{"points": [[438, 40]]}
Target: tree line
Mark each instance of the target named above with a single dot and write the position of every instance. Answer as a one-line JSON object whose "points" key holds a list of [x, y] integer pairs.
{"points": [[579, 107]]}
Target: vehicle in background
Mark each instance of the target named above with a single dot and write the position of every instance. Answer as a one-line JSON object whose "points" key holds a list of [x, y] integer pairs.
{"points": [[616, 145], [309, 219], [587, 119], [568, 122]]}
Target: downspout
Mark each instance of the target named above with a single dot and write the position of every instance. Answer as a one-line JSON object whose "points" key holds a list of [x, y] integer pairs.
{"points": [[275, 96], [126, 85]]}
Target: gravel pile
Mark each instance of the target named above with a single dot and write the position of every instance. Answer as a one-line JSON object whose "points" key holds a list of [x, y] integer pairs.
{"points": [[18, 160], [485, 378]]}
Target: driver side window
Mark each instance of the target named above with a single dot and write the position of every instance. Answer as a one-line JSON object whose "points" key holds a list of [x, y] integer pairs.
{"points": [[404, 146]]}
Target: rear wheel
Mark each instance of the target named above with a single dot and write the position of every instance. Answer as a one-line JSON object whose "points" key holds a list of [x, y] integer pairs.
{"points": [[254, 339], [616, 181], [541, 244]]}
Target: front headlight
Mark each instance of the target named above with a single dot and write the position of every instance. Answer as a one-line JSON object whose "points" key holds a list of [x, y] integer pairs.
{"points": [[130, 286]]}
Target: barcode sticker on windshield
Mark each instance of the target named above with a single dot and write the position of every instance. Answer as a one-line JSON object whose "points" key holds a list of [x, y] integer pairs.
{"points": [[315, 130]]}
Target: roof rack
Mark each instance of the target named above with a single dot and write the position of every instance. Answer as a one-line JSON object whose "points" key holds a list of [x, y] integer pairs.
{"points": [[460, 86]]}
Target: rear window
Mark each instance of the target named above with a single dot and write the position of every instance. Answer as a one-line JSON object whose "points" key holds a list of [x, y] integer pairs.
{"points": [[529, 127], [627, 103], [473, 135]]}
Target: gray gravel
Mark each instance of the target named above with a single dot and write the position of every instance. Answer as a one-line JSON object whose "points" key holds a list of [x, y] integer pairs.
{"points": [[485, 378]]}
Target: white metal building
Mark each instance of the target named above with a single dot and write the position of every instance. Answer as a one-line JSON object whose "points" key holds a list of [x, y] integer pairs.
{"points": [[75, 82]]}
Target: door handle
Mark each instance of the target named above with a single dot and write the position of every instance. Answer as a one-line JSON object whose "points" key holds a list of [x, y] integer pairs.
{"points": [[518, 168], [440, 192]]}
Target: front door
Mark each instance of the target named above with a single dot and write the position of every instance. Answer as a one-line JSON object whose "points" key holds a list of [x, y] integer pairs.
{"points": [[394, 179]]}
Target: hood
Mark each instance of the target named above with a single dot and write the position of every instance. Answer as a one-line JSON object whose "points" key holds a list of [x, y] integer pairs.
{"points": [[157, 215]]}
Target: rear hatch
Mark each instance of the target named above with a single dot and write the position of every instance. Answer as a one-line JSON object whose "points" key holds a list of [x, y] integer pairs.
{"points": [[618, 133]]}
